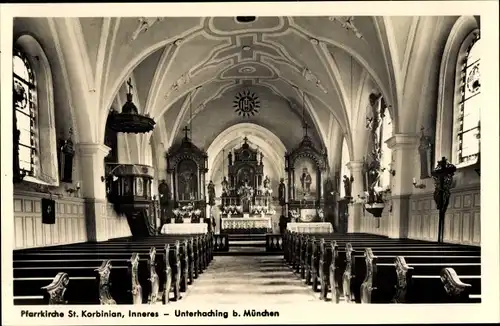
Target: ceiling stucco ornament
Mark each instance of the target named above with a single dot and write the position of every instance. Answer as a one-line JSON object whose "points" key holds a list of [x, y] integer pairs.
{"points": [[247, 70], [144, 24], [314, 41], [246, 103], [309, 76], [178, 42], [183, 80], [246, 48], [347, 23]]}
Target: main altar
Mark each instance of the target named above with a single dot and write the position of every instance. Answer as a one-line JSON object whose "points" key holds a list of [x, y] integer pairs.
{"points": [[246, 199]]}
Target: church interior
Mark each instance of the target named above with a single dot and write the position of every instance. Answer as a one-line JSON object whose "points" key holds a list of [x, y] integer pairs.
{"points": [[159, 160]]}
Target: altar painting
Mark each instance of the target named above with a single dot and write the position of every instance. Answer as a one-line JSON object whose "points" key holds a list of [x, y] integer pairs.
{"points": [[246, 174], [305, 178], [187, 180]]}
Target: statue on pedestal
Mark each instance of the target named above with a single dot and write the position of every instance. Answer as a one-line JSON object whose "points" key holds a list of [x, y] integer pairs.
{"points": [[348, 186], [224, 186], [267, 183], [281, 192], [164, 199], [211, 193], [424, 149], [230, 158]]}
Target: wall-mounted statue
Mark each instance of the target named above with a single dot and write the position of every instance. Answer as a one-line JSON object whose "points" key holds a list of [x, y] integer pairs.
{"points": [[425, 151], [211, 193], [267, 183], [373, 168], [225, 186], [348, 186], [164, 199], [281, 192], [230, 158]]}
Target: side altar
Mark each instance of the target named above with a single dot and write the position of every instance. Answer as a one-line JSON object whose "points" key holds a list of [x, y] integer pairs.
{"points": [[306, 167], [187, 166], [246, 199]]}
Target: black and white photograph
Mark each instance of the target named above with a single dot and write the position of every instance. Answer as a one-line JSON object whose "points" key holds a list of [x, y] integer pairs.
{"points": [[178, 164]]}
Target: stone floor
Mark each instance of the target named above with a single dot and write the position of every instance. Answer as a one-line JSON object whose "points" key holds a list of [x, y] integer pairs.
{"points": [[249, 279]]}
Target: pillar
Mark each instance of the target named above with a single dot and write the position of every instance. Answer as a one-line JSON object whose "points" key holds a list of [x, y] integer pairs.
{"points": [[355, 208], [404, 152], [93, 189]]}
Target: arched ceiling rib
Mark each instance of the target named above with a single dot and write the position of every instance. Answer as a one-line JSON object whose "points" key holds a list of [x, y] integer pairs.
{"points": [[283, 52]]}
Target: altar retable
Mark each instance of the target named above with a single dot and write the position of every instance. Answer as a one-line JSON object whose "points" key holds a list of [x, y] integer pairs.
{"points": [[246, 197]]}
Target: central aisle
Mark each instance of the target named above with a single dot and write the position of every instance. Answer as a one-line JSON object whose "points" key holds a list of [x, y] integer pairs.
{"points": [[246, 279]]}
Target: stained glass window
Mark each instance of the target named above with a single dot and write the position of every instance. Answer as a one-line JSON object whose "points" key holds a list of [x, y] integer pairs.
{"points": [[468, 114], [25, 110]]}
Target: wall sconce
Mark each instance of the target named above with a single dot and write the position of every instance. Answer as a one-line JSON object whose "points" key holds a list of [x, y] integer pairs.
{"points": [[418, 186], [75, 189]]}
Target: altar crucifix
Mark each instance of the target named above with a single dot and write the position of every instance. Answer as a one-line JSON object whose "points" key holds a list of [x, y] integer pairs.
{"points": [[305, 126], [186, 130]]}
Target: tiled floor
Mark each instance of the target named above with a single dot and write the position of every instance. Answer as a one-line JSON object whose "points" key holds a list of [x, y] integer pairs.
{"points": [[247, 279]]}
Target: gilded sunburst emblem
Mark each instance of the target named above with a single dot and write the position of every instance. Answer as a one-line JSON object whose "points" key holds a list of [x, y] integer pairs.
{"points": [[246, 103]]}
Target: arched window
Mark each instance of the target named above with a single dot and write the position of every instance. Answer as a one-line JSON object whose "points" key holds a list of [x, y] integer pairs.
{"points": [[467, 112], [25, 111], [34, 114]]}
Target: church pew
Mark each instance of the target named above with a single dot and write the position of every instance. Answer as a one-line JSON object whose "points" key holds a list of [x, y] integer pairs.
{"points": [[100, 251], [88, 271], [467, 260], [198, 251]]}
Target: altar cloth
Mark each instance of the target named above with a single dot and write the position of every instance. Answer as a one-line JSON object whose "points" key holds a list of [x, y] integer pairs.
{"points": [[185, 228], [313, 227]]}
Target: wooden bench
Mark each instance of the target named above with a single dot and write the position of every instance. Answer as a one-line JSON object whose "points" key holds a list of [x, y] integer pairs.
{"points": [[186, 260], [312, 255]]}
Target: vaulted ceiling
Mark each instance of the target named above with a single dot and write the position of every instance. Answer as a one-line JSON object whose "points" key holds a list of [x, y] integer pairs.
{"points": [[197, 66], [184, 65]]}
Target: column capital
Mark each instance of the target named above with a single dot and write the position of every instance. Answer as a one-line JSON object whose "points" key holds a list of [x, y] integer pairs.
{"points": [[402, 141], [89, 149], [355, 165]]}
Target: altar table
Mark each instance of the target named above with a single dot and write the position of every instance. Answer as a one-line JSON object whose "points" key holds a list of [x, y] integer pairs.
{"points": [[185, 228], [315, 227], [246, 223]]}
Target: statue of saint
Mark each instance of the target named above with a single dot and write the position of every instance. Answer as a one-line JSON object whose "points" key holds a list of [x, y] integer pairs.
{"points": [[305, 181], [424, 149], [211, 193], [164, 198], [230, 158], [348, 186], [224, 186], [281, 192], [267, 183]]}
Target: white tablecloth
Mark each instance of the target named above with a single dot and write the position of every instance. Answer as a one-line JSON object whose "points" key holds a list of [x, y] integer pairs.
{"points": [[185, 228], [229, 223], [314, 227]]}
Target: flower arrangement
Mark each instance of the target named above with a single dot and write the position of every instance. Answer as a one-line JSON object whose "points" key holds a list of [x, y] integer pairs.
{"points": [[187, 211], [295, 213]]}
